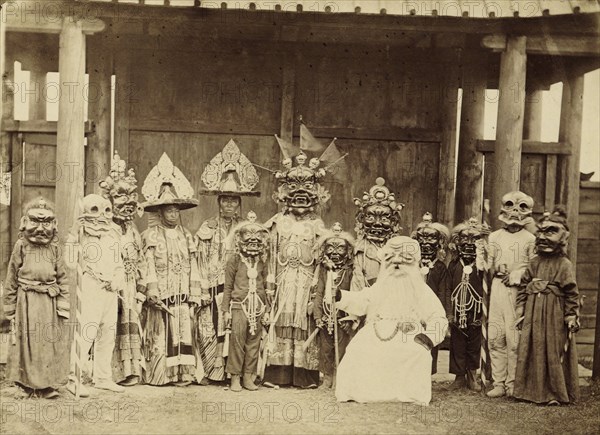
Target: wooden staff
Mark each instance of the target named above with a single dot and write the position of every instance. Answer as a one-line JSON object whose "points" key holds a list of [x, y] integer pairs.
{"points": [[335, 334], [485, 368], [78, 326]]}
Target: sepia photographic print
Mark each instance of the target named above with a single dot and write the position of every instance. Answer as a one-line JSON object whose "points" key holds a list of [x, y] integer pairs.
{"points": [[299, 217]]}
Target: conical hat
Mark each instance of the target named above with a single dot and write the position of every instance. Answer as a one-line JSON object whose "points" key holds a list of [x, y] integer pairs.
{"points": [[166, 185], [230, 173]]}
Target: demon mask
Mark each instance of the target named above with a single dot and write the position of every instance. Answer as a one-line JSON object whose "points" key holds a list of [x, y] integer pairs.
{"points": [[553, 234], [516, 209], [378, 217], [251, 237], [432, 237], [119, 187], [467, 240], [337, 248], [38, 225]]}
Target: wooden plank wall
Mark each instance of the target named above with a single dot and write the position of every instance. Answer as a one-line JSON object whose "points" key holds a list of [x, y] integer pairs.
{"points": [[588, 263], [384, 113]]}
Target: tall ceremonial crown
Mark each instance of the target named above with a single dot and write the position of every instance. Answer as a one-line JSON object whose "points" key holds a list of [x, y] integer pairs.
{"points": [[166, 185], [230, 173], [118, 179], [379, 194]]}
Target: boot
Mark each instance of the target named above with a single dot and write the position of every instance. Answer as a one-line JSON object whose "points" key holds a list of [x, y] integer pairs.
{"points": [[327, 381], [472, 381], [235, 383], [248, 382], [459, 383], [497, 391]]}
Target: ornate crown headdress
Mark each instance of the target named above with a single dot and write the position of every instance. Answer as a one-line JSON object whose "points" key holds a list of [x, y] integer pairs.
{"points": [[428, 222], [118, 177], [166, 185], [379, 194], [336, 231], [230, 173]]}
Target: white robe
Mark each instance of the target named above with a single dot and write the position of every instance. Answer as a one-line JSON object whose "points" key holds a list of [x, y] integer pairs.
{"points": [[399, 370]]}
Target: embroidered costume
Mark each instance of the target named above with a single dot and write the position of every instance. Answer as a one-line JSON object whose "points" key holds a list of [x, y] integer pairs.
{"points": [[36, 300], [173, 279], [229, 176], [119, 187]]}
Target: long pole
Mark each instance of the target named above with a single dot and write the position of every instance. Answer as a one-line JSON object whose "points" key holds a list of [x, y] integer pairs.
{"points": [[335, 333]]}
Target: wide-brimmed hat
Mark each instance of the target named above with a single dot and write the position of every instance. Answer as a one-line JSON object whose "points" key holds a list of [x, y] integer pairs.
{"points": [[166, 185]]}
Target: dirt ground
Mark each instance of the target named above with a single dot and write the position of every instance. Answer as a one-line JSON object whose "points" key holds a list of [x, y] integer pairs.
{"points": [[213, 409]]}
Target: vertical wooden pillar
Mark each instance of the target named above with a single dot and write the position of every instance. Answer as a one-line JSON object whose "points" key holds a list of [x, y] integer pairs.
{"points": [[469, 182], [98, 153], [532, 118], [123, 95], [447, 167], [6, 114], [509, 130], [70, 155], [568, 165]]}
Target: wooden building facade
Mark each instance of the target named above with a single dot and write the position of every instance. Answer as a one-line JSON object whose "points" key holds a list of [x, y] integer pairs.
{"points": [[381, 76]]}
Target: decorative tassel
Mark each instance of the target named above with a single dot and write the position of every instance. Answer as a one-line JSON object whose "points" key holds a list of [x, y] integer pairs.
{"points": [[464, 298]]}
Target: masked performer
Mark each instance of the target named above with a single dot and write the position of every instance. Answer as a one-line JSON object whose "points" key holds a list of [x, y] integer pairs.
{"points": [[119, 187], [377, 220], [433, 238], [510, 250], [389, 359], [245, 301], [229, 176], [37, 295], [466, 271], [97, 239], [335, 271], [173, 281], [549, 302], [294, 234]]}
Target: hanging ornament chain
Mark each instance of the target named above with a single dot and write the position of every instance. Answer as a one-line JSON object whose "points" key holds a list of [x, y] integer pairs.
{"points": [[252, 305], [464, 297]]}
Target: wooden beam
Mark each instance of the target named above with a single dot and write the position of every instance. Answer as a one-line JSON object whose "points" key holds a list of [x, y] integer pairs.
{"points": [[40, 126], [551, 45], [568, 166], [98, 153], [469, 181], [509, 131], [70, 133], [450, 75], [529, 147], [29, 16]]}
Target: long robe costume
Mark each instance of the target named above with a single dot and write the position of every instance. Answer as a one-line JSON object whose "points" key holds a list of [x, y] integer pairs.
{"points": [[209, 328], [173, 278], [294, 242], [36, 294], [127, 358], [386, 360], [545, 372]]}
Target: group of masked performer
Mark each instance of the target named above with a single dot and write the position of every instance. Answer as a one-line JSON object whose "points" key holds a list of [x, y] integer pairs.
{"points": [[283, 302]]}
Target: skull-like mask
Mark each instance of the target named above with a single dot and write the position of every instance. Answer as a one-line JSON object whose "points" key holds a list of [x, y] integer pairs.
{"points": [[252, 238], [516, 209], [96, 210], [39, 223]]}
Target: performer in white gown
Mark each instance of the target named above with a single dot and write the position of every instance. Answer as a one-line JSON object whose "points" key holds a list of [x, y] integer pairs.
{"points": [[390, 359]]}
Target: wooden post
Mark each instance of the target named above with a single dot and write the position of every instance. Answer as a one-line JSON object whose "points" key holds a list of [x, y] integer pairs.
{"points": [[532, 118], [596, 366], [509, 134], [469, 182], [98, 154], [70, 158], [447, 167], [568, 165], [6, 114], [123, 97]]}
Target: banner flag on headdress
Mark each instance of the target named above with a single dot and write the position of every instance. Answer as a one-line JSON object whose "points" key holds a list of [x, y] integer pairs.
{"points": [[288, 150], [308, 141], [333, 159]]}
